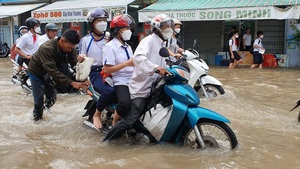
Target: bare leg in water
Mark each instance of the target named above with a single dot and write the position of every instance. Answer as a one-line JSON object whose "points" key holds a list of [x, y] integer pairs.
{"points": [[97, 120], [116, 118]]}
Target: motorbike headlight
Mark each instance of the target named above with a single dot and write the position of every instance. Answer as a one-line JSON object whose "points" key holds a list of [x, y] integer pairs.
{"points": [[183, 73]]}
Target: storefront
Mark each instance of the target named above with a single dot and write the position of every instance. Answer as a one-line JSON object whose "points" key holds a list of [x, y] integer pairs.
{"points": [[209, 22], [72, 14], [9, 20]]}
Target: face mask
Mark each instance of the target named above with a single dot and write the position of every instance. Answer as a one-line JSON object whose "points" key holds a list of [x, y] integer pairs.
{"points": [[22, 33], [167, 33], [177, 30], [38, 30], [236, 36], [126, 35], [101, 26], [261, 36]]}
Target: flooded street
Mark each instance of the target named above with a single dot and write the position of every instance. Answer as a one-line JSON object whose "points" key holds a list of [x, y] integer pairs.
{"points": [[257, 102]]}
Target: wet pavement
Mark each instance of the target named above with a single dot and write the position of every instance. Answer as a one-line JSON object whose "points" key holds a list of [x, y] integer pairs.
{"points": [[257, 102]]}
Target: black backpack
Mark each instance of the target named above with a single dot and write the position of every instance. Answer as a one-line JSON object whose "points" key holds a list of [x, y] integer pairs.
{"points": [[252, 48]]}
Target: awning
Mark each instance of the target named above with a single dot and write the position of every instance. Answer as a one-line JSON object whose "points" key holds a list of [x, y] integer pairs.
{"points": [[3, 16], [12, 10], [200, 10], [76, 10]]}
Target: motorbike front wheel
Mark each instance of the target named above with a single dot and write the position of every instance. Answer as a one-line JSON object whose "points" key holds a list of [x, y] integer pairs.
{"points": [[216, 135], [212, 91]]}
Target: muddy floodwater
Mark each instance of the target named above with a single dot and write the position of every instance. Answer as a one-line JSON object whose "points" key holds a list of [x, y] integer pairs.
{"points": [[257, 102]]}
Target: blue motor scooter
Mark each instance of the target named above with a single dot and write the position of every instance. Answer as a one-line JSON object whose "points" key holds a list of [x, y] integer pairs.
{"points": [[189, 124]]}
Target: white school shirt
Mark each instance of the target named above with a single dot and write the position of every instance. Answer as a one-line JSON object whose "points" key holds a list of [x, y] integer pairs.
{"points": [[248, 39], [259, 44], [146, 58], [232, 43], [172, 45], [27, 45], [114, 54], [44, 38], [91, 48]]}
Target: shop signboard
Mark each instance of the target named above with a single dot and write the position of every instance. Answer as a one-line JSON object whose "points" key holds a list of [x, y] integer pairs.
{"points": [[72, 15], [270, 12]]}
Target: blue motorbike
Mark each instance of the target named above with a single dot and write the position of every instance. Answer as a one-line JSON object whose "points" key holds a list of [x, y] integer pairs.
{"points": [[188, 124]]}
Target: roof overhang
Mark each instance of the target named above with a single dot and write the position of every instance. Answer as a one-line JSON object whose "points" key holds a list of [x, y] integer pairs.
{"points": [[13, 10]]}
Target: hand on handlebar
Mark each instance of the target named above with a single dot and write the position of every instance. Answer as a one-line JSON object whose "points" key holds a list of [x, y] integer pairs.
{"points": [[162, 71]]}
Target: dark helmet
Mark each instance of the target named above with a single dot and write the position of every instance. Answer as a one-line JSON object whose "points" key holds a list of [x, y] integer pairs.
{"points": [[122, 21], [51, 26], [31, 22], [95, 14]]}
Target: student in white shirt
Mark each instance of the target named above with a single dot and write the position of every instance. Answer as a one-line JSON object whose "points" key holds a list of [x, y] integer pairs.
{"points": [[117, 60], [258, 49], [247, 39], [233, 48], [28, 44], [51, 32], [146, 60], [22, 31], [92, 46]]}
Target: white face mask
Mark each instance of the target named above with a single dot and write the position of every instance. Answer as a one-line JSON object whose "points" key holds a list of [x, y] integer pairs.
{"points": [[126, 35], [38, 30], [177, 30], [101, 26], [236, 36], [167, 33], [261, 36], [22, 33]]}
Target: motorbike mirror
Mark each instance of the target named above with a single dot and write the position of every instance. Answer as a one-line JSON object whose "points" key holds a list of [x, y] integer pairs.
{"points": [[195, 41], [163, 52]]}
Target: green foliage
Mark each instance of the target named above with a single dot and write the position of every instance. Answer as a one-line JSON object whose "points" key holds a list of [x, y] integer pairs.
{"points": [[296, 35]]}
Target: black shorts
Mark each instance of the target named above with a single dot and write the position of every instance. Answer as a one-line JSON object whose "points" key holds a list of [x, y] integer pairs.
{"points": [[247, 48], [236, 57], [22, 60], [257, 58]]}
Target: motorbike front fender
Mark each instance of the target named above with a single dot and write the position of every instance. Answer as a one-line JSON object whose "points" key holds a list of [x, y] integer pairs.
{"points": [[207, 79], [196, 113]]}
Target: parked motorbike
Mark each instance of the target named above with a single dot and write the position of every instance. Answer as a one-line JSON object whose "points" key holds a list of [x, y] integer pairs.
{"points": [[207, 86], [186, 123], [297, 104], [4, 50]]}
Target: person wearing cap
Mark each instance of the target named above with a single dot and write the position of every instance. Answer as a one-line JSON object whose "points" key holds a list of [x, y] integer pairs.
{"points": [[177, 30], [22, 31], [173, 46], [146, 61], [51, 32]]}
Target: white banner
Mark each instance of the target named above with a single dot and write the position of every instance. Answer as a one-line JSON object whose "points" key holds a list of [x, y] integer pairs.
{"points": [[252, 13], [72, 15]]}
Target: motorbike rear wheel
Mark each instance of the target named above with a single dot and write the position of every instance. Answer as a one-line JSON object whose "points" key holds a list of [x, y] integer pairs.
{"points": [[212, 91], [216, 135]]}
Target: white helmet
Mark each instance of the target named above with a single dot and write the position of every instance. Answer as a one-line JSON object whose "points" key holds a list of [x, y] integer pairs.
{"points": [[161, 19], [176, 22]]}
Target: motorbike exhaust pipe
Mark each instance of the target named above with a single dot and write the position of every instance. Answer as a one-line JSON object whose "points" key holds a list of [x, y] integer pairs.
{"points": [[27, 88], [15, 80]]}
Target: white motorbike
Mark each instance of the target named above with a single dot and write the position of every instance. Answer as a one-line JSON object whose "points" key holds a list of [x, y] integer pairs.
{"points": [[207, 86]]}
